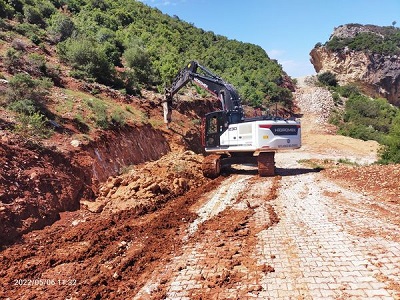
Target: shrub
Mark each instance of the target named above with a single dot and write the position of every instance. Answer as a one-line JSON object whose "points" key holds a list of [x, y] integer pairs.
{"points": [[337, 99], [372, 119], [6, 9], [327, 78], [88, 59], [37, 64], [33, 15], [18, 45], [22, 87], [32, 126], [99, 110], [137, 59], [60, 27], [13, 60], [390, 153], [348, 90], [24, 106], [118, 117]]}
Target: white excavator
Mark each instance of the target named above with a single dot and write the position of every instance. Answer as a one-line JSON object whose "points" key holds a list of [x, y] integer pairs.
{"points": [[228, 136]]}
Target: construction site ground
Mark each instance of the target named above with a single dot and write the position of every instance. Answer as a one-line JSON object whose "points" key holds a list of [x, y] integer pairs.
{"points": [[325, 227]]}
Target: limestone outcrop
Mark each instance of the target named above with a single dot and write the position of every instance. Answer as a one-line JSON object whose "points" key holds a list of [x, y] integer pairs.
{"points": [[376, 74]]}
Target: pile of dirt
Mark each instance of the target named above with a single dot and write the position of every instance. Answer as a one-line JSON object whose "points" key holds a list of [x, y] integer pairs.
{"points": [[40, 179], [148, 185], [317, 101]]}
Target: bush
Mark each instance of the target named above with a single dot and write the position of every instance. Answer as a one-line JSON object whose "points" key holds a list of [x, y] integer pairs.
{"points": [[28, 91], [337, 99], [18, 45], [36, 64], [88, 58], [33, 15], [60, 27], [137, 59], [6, 10], [371, 119], [99, 110], [12, 61], [23, 106], [32, 126], [390, 153], [348, 90], [327, 78], [118, 117]]}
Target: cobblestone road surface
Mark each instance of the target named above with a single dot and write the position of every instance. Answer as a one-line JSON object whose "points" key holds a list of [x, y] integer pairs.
{"points": [[294, 236]]}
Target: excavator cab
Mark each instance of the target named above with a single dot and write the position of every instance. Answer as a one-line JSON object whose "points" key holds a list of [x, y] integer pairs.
{"points": [[215, 124]]}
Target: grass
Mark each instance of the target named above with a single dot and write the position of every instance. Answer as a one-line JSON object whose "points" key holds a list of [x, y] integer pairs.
{"points": [[322, 164], [312, 163]]}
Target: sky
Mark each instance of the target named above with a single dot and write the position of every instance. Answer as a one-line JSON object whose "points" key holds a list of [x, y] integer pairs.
{"points": [[286, 29]]}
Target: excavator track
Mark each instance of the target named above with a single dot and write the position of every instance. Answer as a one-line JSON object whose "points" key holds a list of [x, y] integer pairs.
{"points": [[211, 166], [266, 164]]}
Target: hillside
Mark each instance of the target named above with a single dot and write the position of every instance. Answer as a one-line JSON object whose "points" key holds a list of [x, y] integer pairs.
{"points": [[147, 47], [364, 55]]}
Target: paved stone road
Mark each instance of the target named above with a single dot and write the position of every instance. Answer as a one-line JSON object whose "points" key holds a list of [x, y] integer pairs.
{"points": [[314, 240]]}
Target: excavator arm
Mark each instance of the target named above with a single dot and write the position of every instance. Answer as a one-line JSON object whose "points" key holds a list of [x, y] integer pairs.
{"points": [[225, 92]]}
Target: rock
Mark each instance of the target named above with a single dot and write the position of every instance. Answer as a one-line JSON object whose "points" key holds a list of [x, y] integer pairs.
{"points": [[154, 188], [94, 207], [375, 74], [75, 143], [133, 186]]}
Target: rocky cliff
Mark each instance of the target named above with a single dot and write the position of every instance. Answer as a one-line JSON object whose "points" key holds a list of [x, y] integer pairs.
{"points": [[348, 54]]}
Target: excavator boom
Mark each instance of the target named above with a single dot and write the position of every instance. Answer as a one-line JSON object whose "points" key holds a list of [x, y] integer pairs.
{"points": [[225, 92]]}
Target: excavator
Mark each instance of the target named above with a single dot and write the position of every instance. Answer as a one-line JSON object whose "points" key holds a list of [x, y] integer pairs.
{"points": [[228, 136]]}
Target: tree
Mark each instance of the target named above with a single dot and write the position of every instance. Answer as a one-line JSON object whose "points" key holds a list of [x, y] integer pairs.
{"points": [[137, 59], [88, 58], [60, 27]]}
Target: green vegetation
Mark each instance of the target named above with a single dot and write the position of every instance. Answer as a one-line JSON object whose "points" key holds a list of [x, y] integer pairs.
{"points": [[370, 119], [32, 126], [327, 78], [383, 40], [94, 37], [26, 94]]}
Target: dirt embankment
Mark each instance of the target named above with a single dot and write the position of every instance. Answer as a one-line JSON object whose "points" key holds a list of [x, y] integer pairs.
{"points": [[38, 182], [35, 185]]}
